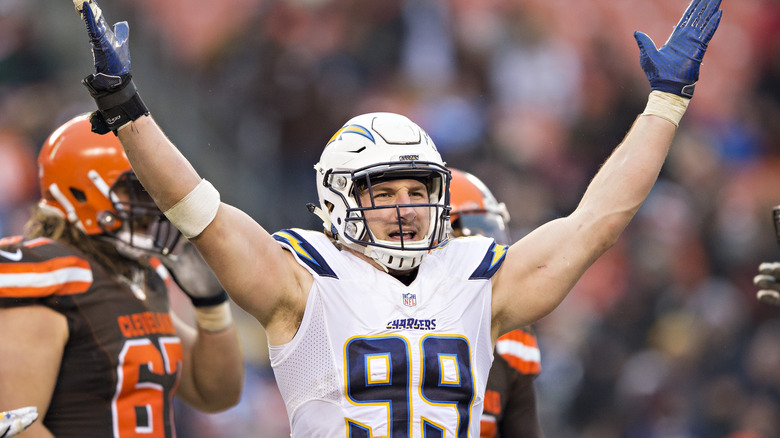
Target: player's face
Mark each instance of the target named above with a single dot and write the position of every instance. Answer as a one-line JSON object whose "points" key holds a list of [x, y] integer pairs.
{"points": [[141, 223], [384, 222]]}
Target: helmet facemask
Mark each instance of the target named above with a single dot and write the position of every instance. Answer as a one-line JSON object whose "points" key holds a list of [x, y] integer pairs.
{"points": [[475, 211], [406, 252], [143, 227], [481, 223], [86, 178]]}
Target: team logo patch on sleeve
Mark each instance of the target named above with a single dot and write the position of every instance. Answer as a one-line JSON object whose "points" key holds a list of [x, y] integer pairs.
{"points": [[305, 252], [490, 264]]}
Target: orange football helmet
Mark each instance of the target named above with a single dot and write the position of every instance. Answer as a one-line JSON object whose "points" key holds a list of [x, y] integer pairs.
{"points": [[87, 178], [475, 211]]}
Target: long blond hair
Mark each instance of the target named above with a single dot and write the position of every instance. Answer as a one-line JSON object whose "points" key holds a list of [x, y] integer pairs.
{"points": [[45, 222]]}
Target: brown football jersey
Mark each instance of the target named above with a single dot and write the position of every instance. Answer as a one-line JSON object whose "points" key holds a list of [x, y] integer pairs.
{"points": [[510, 399], [122, 360]]}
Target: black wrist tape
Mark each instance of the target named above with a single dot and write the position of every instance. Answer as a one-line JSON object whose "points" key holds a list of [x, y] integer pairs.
{"points": [[118, 102], [210, 301]]}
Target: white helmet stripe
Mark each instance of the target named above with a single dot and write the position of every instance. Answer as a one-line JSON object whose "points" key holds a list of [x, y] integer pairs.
{"points": [[101, 185], [69, 210]]}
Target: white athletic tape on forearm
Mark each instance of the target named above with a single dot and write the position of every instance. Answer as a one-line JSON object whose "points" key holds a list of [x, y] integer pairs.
{"points": [[214, 318], [667, 106], [193, 213]]}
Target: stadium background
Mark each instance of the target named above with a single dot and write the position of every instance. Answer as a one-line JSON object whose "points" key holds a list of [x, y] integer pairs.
{"points": [[661, 338]]}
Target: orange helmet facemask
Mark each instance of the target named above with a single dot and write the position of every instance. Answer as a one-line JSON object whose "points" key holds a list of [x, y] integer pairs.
{"points": [[475, 211], [87, 178]]}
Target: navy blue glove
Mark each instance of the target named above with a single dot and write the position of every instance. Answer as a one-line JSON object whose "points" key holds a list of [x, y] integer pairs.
{"points": [[674, 68], [111, 85], [109, 49]]}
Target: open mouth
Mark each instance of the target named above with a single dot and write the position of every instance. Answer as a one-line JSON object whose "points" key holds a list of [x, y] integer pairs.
{"points": [[406, 235]]}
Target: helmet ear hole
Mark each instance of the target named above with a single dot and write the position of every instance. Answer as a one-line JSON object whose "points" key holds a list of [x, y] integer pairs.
{"points": [[78, 194], [107, 220]]}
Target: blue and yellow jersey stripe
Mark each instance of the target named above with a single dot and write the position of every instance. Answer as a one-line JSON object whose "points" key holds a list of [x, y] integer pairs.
{"points": [[490, 264], [305, 252]]}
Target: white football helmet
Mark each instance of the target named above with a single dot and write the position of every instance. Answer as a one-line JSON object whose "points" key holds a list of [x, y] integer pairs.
{"points": [[368, 149]]}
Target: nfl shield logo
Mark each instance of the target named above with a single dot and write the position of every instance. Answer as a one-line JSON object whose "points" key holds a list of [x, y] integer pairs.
{"points": [[410, 300]]}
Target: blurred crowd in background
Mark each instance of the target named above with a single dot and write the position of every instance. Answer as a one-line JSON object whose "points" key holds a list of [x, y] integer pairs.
{"points": [[662, 337]]}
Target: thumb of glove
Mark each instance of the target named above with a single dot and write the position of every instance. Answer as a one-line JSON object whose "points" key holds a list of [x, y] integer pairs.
{"points": [[645, 43]]}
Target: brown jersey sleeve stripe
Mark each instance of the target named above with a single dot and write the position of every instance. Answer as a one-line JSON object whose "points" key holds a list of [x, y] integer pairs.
{"points": [[44, 266], [521, 351], [161, 270], [58, 276], [10, 240], [37, 242]]}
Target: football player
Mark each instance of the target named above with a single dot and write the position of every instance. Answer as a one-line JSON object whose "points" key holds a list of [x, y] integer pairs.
{"points": [[510, 397], [84, 293], [378, 326]]}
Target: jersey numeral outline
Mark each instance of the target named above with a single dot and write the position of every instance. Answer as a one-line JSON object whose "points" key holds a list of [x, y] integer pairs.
{"points": [[378, 373], [147, 375]]}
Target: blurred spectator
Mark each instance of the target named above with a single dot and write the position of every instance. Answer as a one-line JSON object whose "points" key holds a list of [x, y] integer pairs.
{"points": [[18, 181]]}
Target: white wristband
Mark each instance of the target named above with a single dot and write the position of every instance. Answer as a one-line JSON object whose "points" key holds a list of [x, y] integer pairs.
{"points": [[214, 318], [193, 213], [666, 106]]}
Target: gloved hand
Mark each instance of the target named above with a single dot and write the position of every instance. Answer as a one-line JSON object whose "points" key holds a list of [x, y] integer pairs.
{"points": [[111, 85], [194, 276], [110, 50], [767, 283], [14, 421], [674, 68]]}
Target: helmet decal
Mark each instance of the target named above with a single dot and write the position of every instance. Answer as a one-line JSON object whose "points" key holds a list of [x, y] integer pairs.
{"points": [[352, 129]]}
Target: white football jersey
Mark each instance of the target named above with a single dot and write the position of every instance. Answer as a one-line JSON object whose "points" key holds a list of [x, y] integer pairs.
{"points": [[376, 358]]}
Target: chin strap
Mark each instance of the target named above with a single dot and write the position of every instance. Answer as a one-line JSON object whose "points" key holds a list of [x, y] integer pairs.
{"points": [[123, 246], [326, 223], [371, 253]]}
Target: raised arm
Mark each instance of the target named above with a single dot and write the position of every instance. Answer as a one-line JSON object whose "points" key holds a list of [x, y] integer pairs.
{"points": [[236, 248], [541, 268]]}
